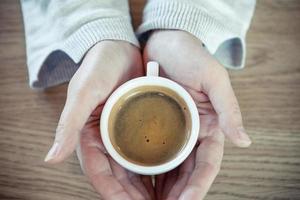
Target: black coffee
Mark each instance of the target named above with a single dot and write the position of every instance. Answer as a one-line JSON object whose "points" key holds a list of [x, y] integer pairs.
{"points": [[150, 127]]}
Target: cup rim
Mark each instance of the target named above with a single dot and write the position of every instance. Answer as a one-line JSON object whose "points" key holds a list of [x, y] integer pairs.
{"points": [[150, 81]]}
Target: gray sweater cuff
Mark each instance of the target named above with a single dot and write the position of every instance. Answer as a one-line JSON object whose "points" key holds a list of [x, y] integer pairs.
{"points": [[224, 38], [103, 29], [58, 62]]}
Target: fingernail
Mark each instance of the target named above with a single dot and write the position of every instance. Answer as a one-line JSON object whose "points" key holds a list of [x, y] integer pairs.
{"points": [[245, 141], [52, 152]]}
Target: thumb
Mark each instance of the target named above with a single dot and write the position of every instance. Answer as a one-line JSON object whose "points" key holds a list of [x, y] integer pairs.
{"points": [[86, 90], [76, 112], [222, 97]]}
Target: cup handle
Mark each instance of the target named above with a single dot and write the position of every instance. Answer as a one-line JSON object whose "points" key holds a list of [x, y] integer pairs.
{"points": [[152, 68]]}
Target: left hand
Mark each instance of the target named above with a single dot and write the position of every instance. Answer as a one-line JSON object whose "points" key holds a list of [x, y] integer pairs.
{"points": [[183, 59], [105, 66]]}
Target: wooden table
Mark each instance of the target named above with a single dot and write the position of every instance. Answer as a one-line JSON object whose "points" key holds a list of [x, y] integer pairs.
{"points": [[268, 90]]}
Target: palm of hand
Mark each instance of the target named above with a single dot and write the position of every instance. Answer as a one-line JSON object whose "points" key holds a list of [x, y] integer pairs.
{"points": [[108, 178]]}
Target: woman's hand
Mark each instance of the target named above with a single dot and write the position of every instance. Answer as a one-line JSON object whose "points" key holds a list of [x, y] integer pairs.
{"points": [[183, 59], [107, 65], [109, 179]]}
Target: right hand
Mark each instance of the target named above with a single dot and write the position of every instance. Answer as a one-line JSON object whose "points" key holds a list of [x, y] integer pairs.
{"points": [[183, 59]]}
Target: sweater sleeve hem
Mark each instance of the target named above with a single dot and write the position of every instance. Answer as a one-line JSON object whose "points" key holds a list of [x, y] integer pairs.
{"points": [[63, 57], [224, 41]]}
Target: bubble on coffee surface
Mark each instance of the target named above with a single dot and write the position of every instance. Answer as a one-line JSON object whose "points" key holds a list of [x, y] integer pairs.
{"points": [[146, 138]]}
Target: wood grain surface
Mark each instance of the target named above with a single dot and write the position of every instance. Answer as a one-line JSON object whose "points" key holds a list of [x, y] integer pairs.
{"points": [[268, 90]]}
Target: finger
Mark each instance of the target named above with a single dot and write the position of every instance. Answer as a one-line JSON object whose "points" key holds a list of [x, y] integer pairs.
{"points": [[75, 114], [207, 122], [121, 175], [97, 167], [185, 172], [95, 116], [159, 185], [81, 101], [91, 124], [171, 178], [136, 180], [207, 164], [147, 181], [205, 109], [202, 102], [222, 97], [199, 97], [79, 156]]}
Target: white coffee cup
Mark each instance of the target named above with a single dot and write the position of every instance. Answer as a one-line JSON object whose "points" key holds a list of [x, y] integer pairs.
{"points": [[152, 79]]}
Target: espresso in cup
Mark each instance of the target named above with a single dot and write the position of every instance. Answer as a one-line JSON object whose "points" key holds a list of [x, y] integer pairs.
{"points": [[149, 125]]}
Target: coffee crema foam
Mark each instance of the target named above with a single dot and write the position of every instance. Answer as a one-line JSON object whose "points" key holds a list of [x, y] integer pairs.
{"points": [[149, 125]]}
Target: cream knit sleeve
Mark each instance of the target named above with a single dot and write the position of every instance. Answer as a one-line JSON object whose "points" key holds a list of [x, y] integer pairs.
{"points": [[59, 33], [220, 24]]}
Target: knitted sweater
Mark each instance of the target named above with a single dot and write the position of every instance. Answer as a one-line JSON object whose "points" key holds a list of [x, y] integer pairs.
{"points": [[59, 33]]}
